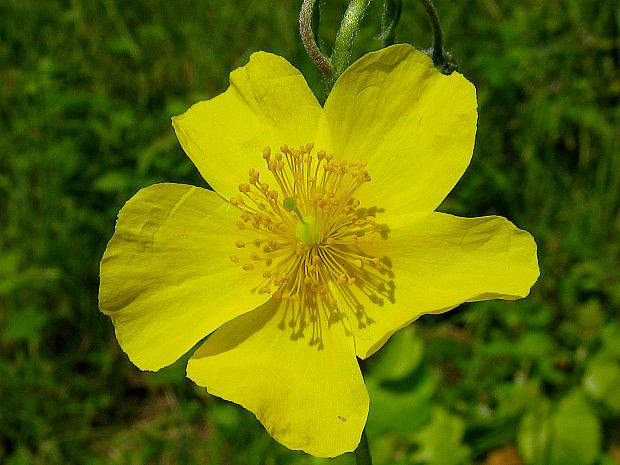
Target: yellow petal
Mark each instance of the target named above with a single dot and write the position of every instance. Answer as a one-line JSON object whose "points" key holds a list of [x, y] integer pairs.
{"points": [[308, 395], [432, 262], [166, 276], [414, 125], [268, 103]]}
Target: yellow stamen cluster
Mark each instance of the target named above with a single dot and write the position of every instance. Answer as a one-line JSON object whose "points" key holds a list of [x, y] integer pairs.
{"points": [[307, 225]]}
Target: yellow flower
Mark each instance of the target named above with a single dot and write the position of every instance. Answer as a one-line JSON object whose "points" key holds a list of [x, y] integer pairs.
{"points": [[319, 242]]}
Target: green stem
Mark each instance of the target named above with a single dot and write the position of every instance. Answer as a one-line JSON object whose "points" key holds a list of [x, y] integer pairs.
{"points": [[308, 17], [362, 453], [438, 55], [389, 22], [346, 35]]}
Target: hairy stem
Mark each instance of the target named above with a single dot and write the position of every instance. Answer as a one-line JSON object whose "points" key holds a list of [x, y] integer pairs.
{"points": [[390, 20], [346, 35], [438, 56], [307, 19]]}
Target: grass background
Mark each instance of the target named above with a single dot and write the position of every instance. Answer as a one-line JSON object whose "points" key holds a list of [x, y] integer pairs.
{"points": [[87, 89]]}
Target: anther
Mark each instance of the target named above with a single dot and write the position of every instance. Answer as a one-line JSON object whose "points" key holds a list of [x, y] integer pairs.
{"points": [[240, 244], [248, 267]]}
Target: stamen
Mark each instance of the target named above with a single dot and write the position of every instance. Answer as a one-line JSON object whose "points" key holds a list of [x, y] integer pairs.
{"points": [[311, 240]]}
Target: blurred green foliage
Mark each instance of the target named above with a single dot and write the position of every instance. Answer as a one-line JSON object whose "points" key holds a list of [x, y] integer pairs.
{"points": [[86, 93]]}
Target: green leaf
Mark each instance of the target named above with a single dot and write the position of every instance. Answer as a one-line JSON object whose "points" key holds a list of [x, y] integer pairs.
{"points": [[24, 325], [610, 338], [400, 407], [400, 356], [440, 442], [400, 387], [607, 460], [534, 345], [576, 432], [534, 434], [568, 436], [601, 381], [113, 181], [516, 398]]}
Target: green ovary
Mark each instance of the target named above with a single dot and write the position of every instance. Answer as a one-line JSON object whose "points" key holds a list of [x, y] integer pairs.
{"points": [[308, 230]]}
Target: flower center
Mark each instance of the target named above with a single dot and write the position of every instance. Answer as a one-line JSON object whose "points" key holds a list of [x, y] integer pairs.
{"points": [[307, 226]]}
